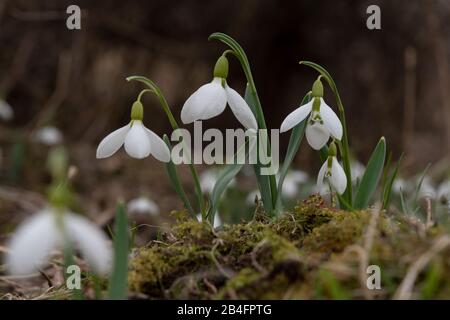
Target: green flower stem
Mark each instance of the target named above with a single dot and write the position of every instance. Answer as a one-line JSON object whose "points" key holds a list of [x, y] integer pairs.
{"points": [[162, 100], [239, 53], [343, 146]]}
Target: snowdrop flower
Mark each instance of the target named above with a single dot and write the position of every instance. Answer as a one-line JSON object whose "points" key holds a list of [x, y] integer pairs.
{"points": [[208, 180], [250, 199], [211, 99], [6, 111], [332, 170], [143, 205], [357, 169], [217, 220], [443, 192], [36, 238], [426, 189], [139, 141], [400, 185], [48, 135], [322, 123], [292, 181]]}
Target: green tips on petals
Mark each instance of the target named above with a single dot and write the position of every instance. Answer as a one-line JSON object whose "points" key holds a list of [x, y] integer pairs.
{"points": [[137, 111], [317, 88], [221, 68]]}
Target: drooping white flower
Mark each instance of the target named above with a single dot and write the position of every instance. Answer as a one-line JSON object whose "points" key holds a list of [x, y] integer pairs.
{"points": [[211, 99], [427, 190], [36, 238], [139, 141], [6, 111], [292, 181], [333, 171], [250, 199], [217, 220], [357, 169], [401, 185], [143, 205], [208, 180], [443, 192], [322, 122], [48, 135]]}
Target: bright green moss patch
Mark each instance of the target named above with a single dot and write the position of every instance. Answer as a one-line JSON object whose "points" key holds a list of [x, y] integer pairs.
{"points": [[311, 252]]}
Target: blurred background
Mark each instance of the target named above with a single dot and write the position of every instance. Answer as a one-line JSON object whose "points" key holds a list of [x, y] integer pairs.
{"points": [[69, 86]]}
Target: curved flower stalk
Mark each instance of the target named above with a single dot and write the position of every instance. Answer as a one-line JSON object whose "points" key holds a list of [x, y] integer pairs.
{"points": [[139, 141], [49, 229], [322, 122], [211, 99], [332, 171]]}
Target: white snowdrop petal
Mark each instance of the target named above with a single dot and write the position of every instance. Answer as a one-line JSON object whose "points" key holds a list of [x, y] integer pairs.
{"points": [[317, 135], [91, 241], [32, 243], [207, 102], [6, 111], [158, 147], [321, 175], [240, 109], [137, 143], [143, 205], [112, 142], [331, 120], [48, 135], [296, 116], [338, 178]]}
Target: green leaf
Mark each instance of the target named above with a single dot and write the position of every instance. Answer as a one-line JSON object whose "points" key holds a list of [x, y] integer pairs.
{"points": [[294, 143], [118, 282], [225, 177], [388, 186], [371, 176], [175, 181]]}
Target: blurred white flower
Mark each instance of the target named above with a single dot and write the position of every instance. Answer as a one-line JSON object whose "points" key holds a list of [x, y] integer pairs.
{"points": [[427, 189], [211, 99], [400, 185], [143, 205], [36, 238], [443, 192], [292, 181], [250, 199], [322, 122], [6, 111], [332, 170], [48, 135], [208, 179], [138, 140], [357, 170], [217, 220]]}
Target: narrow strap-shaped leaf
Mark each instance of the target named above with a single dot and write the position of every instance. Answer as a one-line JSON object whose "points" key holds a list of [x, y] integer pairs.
{"points": [[294, 143], [388, 186], [175, 181], [119, 278], [371, 176], [226, 175]]}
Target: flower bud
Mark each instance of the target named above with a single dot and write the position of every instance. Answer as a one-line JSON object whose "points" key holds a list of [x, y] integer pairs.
{"points": [[137, 111], [317, 88], [221, 68]]}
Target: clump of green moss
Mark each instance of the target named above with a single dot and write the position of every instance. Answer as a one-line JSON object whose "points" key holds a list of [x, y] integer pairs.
{"points": [[303, 254]]}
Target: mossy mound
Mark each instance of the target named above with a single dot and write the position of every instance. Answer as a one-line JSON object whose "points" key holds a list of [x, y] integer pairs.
{"points": [[312, 252]]}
